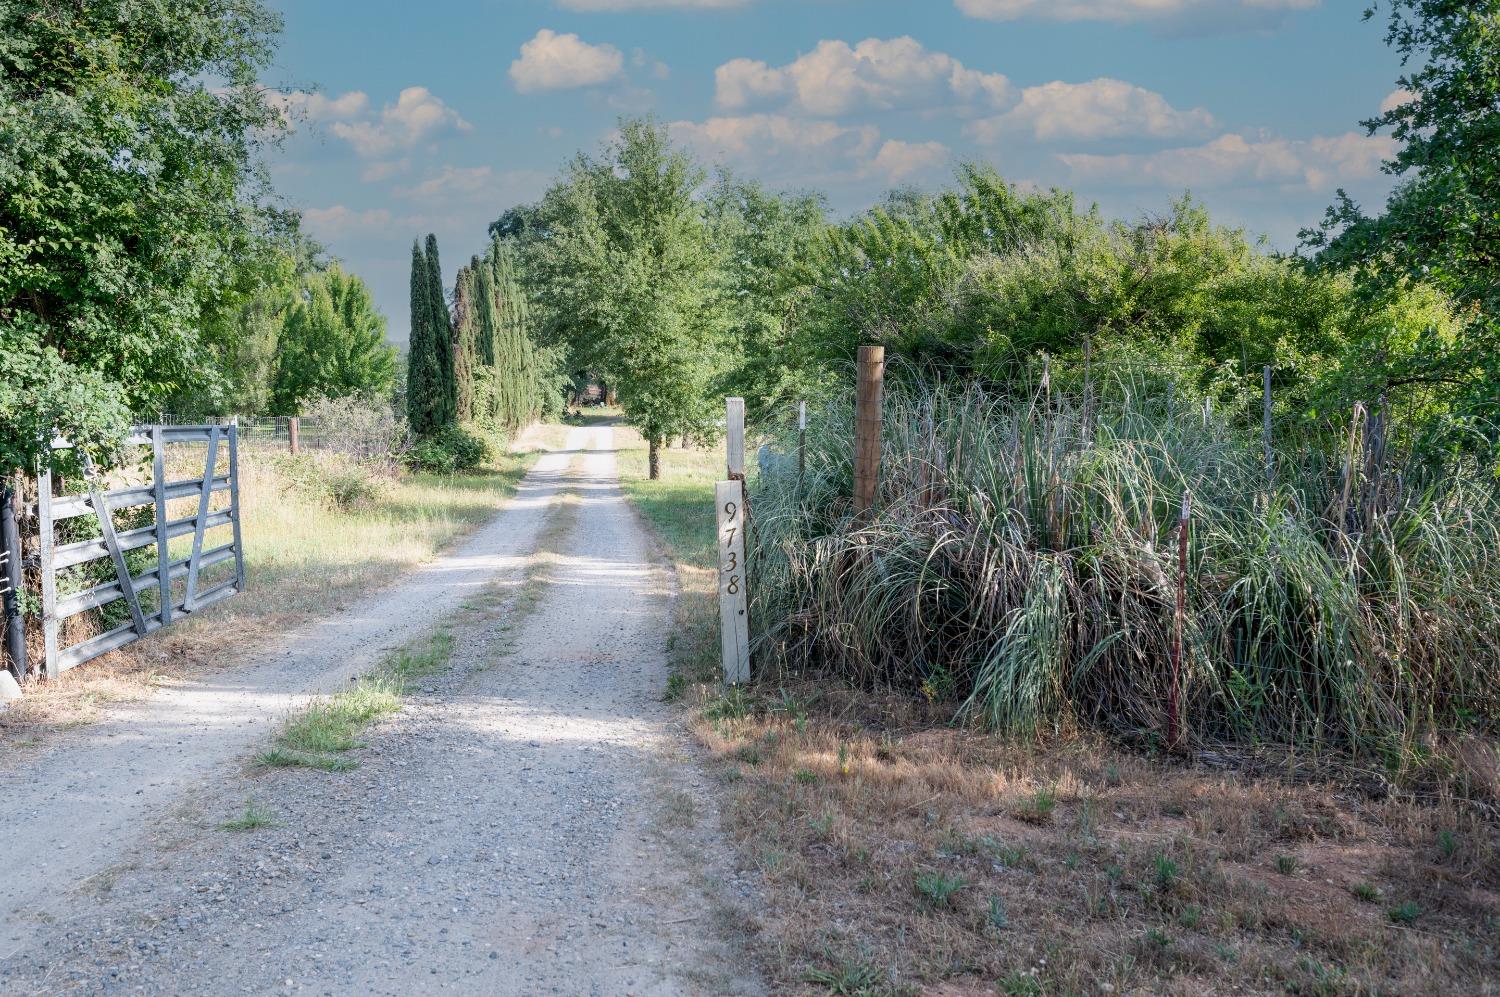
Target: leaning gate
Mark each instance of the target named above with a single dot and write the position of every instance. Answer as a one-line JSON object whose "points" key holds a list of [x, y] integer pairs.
{"points": [[78, 528]]}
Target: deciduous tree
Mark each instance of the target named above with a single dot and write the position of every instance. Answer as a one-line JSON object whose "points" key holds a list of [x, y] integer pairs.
{"points": [[628, 273], [332, 343]]}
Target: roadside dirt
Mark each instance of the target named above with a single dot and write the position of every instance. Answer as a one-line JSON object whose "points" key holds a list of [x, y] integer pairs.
{"points": [[532, 821]]}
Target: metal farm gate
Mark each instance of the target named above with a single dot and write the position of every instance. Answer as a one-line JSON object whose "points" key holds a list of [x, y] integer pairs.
{"points": [[154, 587]]}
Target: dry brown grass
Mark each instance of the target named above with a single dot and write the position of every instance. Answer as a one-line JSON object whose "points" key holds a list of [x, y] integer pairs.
{"points": [[1081, 868]]}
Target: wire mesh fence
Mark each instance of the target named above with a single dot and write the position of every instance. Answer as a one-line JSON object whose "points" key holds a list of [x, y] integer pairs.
{"points": [[260, 432]]}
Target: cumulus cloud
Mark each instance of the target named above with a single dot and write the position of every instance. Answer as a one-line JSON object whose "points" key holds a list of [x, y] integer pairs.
{"points": [[876, 74], [417, 115], [377, 172], [1318, 163], [460, 185], [899, 160], [807, 151], [1099, 109], [1395, 99], [299, 105], [551, 61], [1209, 14], [339, 221]]}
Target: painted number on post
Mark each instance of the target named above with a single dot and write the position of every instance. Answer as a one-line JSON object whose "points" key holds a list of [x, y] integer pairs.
{"points": [[734, 616]]}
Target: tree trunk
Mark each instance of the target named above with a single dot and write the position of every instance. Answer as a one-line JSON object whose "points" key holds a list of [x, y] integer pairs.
{"points": [[654, 457]]}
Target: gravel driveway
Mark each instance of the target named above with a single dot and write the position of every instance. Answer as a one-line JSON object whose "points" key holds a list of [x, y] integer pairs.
{"points": [[532, 821]]}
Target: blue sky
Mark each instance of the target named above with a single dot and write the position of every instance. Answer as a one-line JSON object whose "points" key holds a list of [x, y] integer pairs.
{"points": [[436, 116]]}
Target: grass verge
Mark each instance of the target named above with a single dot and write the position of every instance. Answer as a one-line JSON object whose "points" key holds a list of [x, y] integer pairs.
{"points": [[900, 855], [680, 510]]}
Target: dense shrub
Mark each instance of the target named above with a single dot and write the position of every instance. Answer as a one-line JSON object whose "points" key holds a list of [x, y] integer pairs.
{"points": [[451, 449], [1021, 559], [985, 279], [329, 478], [364, 430]]}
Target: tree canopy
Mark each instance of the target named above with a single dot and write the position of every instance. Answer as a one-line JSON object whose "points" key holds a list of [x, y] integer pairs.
{"points": [[132, 204], [1441, 223], [332, 343]]}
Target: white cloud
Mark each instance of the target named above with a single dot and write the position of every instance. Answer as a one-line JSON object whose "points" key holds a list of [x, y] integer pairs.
{"points": [[417, 115], [899, 160], [1396, 98], [618, 5], [298, 105], [742, 82], [551, 61], [658, 69], [1098, 109], [378, 172], [338, 221], [1205, 13], [806, 151], [1316, 164], [876, 74], [461, 185]]}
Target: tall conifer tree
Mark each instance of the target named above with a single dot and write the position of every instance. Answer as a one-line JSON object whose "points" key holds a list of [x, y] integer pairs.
{"points": [[515, 355], [465, 333], [424, 378], [441, 326]]}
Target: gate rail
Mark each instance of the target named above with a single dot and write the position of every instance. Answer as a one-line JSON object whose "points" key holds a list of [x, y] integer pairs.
{"points": [[114, 544]]}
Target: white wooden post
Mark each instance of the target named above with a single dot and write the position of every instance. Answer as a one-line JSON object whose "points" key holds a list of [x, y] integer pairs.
{"points": [[734, 421], [734, 602]]}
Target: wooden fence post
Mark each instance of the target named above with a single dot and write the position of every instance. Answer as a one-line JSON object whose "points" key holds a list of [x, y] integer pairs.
{"points": [[868, 402], [1266, 427], [234, 505], [163, 540], [734, 422], [734, 617], [293, 426]]}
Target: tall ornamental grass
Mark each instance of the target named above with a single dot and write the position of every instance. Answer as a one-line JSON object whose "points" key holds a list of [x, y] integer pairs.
{"points": [[1022, 560]]}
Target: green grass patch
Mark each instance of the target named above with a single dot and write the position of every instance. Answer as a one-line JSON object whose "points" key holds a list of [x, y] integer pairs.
{"points": [[423, 658], [327, 728], [301, 551], [252, 818]]}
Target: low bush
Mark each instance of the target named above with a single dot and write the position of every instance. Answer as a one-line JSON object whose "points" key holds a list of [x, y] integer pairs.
{"points": [[365, 431], [330, 479], [451, 449]]}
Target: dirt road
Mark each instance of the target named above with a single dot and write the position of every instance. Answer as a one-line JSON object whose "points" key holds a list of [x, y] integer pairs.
{"points": [[531, 822]]}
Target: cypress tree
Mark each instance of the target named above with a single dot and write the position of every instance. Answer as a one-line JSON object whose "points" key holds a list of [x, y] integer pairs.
{"points": [[515, 357], [465, 334], [484, 300], [441, 326], [424, 377]]}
